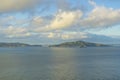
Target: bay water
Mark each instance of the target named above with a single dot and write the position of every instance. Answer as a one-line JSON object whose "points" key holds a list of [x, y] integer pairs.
{"points": [[42, 63]]}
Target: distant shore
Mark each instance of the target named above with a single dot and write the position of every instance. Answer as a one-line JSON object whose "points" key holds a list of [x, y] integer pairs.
{"points": [[77, 44]]}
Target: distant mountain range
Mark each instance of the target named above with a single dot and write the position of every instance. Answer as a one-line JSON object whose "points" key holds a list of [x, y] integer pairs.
{"points": [[66, 44], [79, 44], [17, 45]]}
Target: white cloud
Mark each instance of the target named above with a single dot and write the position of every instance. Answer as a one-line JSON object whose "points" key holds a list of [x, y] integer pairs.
{"points": [[62, 19], [15, 32], [66, 35], [98, 17], [101, 17]]}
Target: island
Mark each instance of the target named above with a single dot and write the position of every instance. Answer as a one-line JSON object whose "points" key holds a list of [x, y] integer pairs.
{"points": [[18, 45], [80, 44]]}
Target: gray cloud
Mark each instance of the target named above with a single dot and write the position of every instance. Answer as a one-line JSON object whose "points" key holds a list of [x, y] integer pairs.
{"points": [[26, 5], [65, 23], [16, 5]]}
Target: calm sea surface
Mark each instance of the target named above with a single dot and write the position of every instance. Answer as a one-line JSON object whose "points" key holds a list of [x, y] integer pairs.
{"points": [[36, 63]]}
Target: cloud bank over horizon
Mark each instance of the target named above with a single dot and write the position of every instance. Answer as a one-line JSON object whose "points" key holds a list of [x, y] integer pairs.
{"points": [[61, 20]]}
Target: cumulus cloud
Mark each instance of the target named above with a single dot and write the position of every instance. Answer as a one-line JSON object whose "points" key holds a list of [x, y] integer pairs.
{"points": [[101, 17], [61, 20], [15, 32], [64, 19], [70, 35]]}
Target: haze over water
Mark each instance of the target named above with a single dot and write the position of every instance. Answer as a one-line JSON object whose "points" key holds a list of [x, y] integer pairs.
{"points": [[36, 63]]}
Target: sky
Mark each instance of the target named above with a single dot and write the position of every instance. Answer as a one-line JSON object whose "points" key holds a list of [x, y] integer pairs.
{"points": [[57, 21]]}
